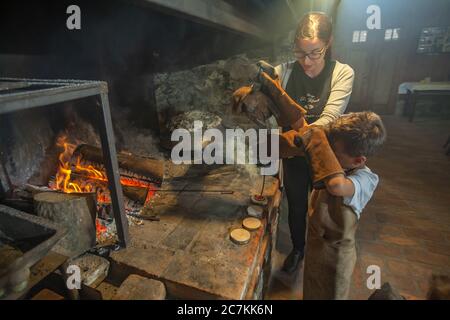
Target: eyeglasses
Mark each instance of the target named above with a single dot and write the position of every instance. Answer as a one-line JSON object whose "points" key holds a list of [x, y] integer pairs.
{"points": [[313, 55]]}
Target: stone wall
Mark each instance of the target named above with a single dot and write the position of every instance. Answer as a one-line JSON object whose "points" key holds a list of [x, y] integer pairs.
{"points": [[209, 87]]}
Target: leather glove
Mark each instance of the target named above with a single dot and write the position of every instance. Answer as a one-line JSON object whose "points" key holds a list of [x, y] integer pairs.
{"points": [[287, 112], [311, 142], [238, 98], [255, 104], [287, 145], [319, 154]]}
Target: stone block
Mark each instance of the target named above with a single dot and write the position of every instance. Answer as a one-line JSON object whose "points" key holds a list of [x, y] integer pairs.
{"points": [[140, 288], [94, 269]]}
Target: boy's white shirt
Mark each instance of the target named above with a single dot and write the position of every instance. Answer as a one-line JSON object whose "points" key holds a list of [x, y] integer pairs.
{"points": [[365, 182]]}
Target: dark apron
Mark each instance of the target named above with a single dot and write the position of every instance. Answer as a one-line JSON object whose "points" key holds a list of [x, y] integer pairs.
{"points": [[297, 89], [330, 250], [296, 178]]}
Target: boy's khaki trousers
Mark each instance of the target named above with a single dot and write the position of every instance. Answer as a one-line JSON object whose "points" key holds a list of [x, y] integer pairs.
{"points": [[330, 255]]}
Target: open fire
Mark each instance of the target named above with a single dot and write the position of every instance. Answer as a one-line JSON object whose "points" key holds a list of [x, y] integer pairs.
{"points": [[77, 175]]}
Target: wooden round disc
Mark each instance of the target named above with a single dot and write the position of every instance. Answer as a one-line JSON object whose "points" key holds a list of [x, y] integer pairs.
{"points": [[251, 223], [240, 236], [259, 200], [255, 211]]}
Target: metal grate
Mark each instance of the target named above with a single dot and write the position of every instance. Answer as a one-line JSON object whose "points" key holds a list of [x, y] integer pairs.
{"points": [[21, 94]]}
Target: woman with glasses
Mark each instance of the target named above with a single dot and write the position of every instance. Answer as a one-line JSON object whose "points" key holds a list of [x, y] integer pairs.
{"points": [[322, 86]]}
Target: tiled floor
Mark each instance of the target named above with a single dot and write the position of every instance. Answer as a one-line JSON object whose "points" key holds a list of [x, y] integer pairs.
{"points": [[405, 229]]}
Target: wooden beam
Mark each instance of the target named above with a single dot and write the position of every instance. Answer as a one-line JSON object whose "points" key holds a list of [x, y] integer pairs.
{"points": [[216, 13]]}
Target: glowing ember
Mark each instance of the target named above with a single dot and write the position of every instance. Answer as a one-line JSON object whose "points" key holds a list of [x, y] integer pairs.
{"points": [[100, 228]]}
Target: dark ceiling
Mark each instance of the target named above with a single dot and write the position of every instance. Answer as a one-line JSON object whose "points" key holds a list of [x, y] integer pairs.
{"points": [[124, 35]]}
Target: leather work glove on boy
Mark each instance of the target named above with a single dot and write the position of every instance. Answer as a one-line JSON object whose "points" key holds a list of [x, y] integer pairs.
{"points": [[312, 143]]}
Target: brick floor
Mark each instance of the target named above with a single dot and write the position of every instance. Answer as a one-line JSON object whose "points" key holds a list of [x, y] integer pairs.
{"points": [[405, 229]]}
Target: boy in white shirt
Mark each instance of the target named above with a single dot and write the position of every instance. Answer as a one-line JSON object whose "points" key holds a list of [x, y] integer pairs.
{"points": [[333, 216], [343, 184]]}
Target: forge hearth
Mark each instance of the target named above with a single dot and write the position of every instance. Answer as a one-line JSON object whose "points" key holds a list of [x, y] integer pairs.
{"points": [[190, 250], [79, 175], [81, 171], [179, 216], [23, 94]]}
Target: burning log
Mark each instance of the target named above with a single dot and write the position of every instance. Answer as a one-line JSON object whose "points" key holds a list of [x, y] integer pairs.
{"points": [[76, 212], [80, 171], [135, 193], [150, 168]]}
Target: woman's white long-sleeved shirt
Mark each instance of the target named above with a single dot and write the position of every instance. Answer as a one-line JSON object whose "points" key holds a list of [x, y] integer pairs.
{"points": [[340, 90]]}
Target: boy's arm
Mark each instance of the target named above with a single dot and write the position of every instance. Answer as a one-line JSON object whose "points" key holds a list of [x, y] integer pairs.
{"points": [[340, 186]]}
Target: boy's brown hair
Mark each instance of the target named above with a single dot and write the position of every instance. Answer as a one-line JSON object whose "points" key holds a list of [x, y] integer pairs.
{"points": [[362, 133]]}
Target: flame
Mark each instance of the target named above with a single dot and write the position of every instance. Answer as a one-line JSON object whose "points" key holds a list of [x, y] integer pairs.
{"points": [[92, 172], [90, 176], [64, 170]]}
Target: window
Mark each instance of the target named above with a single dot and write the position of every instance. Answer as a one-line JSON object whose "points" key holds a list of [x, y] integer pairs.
{"points": [[388, 34], [395, 34], [391, 34], [434, 40], [355, 36], [363, 36], [359, 36]]}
